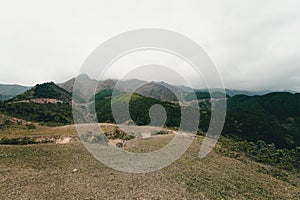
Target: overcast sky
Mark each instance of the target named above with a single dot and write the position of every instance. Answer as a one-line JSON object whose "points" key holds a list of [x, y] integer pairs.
{"points": [[255, 44]]}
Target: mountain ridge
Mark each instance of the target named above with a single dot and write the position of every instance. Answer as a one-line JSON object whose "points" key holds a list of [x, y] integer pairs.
{"points": [[8, 91], [85, 84], [44, 93]]}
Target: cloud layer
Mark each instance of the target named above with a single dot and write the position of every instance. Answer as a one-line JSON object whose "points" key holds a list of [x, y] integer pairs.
{"points": [[255, 44]]}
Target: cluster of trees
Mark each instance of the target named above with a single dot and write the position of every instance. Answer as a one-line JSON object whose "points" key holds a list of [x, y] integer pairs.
{"points": [[274, 118], [50, 114], [46, 90], [17, 141], [260, 151], [138, 108]]}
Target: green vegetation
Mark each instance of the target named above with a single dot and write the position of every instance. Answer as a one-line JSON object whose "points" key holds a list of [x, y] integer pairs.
{"points": [[17, 141], [4, 97], [103, 138], [274, 118], [50, 114], [138, 107], [161, 133], [288, 159], [204, 96], [161, 91], [46, 90]]}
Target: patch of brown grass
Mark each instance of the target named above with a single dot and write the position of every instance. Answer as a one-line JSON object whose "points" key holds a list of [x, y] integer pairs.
{"points": [[46, 171]]}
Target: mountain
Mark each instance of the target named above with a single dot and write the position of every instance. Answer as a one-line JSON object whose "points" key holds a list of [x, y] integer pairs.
{"points": [[204, 96], [131, 84], [274, 117], [138, 107], [44, 93], [68, 85], [233, 92], [10, 91], [87, 87], [84, 87], [44, 103], [158, 90], [5, 97]]}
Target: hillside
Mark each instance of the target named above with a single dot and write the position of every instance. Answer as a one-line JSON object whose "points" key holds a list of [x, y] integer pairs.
{"points": [[274, 117], [44, 103], [251, 118], [204, 96], [138, 107], [45, 113], [5, 97], [68, 171], [131, 84], [86, 87], [160, 91], [41, 92], [10, 91]]}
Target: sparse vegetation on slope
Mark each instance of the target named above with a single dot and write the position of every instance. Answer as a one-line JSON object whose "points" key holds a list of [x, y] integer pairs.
{"points": [[55, 171]]}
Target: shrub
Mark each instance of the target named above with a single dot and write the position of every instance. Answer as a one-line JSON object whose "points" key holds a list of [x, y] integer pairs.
{"points": [[30, 126], [17, 141], [119, 144], [128, 137], [288, 159], [162, 133]]}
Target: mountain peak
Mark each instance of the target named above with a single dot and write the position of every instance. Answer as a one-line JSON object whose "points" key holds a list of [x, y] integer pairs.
{"points": [[44, 93]]}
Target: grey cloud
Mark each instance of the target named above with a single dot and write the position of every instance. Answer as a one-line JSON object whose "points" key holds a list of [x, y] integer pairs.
{"points": [[255, 43]]}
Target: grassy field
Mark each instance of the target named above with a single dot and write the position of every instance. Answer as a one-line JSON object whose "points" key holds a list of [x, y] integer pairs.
{"points": [[69, 171]]}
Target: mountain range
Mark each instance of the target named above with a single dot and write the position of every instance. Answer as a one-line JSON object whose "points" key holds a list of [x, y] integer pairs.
{"points": [[10, 91], [274, 117], [152, 89]]}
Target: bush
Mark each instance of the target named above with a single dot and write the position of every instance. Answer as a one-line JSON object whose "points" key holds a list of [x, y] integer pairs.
{"points": [[200, 132], [288, 159], [128, 137], [162, 133], [91, 138], [17, 141], [119, 144], [30, 126]]}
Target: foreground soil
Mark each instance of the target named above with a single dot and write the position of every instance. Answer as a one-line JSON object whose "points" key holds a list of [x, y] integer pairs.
{"points": [[69, 171]]}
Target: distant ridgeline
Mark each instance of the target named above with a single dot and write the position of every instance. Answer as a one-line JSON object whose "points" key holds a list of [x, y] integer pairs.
{"points": [[9, 91], [274, 117]]}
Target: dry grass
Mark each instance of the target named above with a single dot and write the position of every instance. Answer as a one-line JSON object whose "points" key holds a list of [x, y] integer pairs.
{"points": [[46, 171]]}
